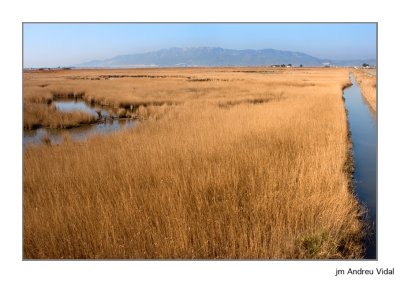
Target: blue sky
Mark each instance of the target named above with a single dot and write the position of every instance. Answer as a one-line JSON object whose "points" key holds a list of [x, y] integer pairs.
{"points": [[52, 45]]}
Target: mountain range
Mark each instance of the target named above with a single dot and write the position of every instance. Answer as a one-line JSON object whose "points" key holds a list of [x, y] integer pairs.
{"points": [[215, 56]]}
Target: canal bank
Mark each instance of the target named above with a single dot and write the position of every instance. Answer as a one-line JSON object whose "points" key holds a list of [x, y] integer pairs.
{"points": [[363, 130]]}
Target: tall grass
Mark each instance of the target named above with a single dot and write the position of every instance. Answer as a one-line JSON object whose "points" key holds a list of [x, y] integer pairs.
{"points": [[243, 180], [367, 82]]}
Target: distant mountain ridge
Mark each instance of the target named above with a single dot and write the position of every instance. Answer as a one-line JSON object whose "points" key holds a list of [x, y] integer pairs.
{"points": [[216, 56]]}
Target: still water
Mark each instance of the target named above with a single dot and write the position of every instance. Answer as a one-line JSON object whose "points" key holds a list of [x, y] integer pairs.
{"points": [[105, 126], [77, 105], [363, 127]]}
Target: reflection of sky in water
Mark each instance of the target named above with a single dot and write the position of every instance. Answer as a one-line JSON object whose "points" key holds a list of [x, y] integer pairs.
{"points": [[76, 134], [363, 128], [71, 106], [79, 133]]}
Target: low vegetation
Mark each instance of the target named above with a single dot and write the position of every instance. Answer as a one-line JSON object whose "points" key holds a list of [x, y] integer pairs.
{"points": [[367, 81], [229, 164]]}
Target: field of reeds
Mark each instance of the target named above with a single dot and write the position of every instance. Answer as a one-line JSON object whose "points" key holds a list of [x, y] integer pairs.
{"points": [[227, 163], [367, 82]]}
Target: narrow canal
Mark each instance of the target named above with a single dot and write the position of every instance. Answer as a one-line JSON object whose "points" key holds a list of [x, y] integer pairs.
{"points": [[363, 127]]}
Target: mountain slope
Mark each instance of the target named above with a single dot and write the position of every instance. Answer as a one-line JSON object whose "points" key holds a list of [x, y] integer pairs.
{"points": [[214, 56]]}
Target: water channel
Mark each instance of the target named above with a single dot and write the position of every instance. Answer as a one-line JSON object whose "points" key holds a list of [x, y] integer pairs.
{"points": [[363, 126]]}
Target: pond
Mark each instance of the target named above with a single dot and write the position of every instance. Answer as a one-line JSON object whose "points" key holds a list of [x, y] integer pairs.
{"points": [[106, 125]]}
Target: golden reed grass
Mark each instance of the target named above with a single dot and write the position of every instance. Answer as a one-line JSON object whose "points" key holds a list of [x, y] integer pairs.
{"points": [[38, 114], [246, 164], [367, 82]]}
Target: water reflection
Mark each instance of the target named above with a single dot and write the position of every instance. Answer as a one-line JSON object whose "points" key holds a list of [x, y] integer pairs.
{"points": [[57, 136], [106, 125], [79, 105], [363, 127]]}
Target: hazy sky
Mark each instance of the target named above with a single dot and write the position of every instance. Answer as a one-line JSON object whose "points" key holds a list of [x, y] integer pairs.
{"points": [[52, 45]]}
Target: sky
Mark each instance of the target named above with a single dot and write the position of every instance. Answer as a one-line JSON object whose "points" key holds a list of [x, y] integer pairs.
{"points": [[54, 45]]}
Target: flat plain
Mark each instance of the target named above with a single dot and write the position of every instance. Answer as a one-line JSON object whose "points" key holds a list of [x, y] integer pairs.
{"points": [[226, 163]]}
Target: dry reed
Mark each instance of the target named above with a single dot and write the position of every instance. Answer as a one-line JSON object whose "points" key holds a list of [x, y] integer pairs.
{"points": [[367, 82], [216, 176], [38, 115]]}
